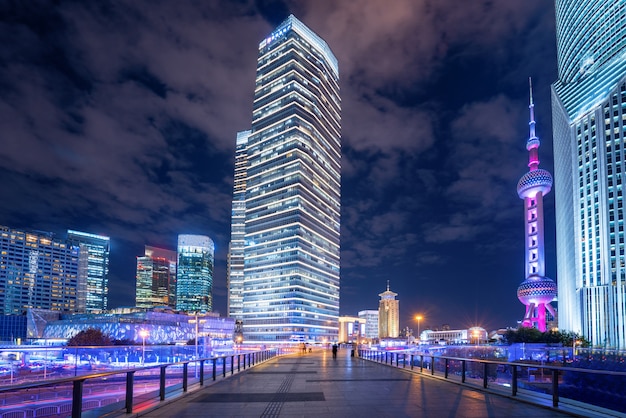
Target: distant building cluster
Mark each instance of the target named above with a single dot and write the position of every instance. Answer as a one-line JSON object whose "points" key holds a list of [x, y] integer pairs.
{"points": [[371, 326], [39, 271]]}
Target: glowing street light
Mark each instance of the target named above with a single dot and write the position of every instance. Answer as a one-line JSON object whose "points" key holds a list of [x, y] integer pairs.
{"points": [[144, 334], [418, 318]]}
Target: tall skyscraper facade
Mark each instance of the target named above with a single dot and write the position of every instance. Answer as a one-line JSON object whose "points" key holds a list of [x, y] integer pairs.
{"points": [[194, 275], [156, 278], [234, 272], [537, 290], [589, 130], [37, 271], [388, 315], [93, 269], [292, 193]]}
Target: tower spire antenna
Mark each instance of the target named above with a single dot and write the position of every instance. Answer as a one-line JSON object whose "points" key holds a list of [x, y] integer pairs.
{"points": [[387, 285], [533, 143]]}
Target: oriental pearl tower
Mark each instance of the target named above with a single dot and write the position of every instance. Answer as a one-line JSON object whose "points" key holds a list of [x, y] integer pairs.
{"points": [[537, 291]]}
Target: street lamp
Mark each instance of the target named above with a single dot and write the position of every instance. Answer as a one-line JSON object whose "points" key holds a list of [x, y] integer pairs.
{"points": [[418, 318], [143, 333], [197, 321]]}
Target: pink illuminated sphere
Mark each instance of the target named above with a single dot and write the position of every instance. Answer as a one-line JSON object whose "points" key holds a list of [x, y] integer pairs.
{"points": [[537, 290]]}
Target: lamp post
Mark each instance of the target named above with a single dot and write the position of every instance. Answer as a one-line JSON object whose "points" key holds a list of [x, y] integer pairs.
{"points": [[143, 333], [196, 322], [418, 318]]}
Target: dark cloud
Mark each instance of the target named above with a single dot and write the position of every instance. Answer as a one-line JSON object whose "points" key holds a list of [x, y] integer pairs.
{"points": [[120, 118]]}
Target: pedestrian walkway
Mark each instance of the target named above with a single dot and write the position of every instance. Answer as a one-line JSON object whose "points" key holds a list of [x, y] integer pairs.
{"points": [[316, 385]]}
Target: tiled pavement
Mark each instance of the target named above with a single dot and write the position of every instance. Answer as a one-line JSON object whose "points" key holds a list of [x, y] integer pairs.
{"points": [[316, 385]]}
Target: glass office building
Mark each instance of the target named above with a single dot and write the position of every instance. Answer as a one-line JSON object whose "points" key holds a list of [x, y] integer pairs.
{"points": [[93, 269], [589, 129], [238, 231], [37, 271], [194, 275], [156, 278], [292, 193]]}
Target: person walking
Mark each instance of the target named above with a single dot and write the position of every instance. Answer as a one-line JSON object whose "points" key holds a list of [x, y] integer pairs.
{"points": [[335, 350]]}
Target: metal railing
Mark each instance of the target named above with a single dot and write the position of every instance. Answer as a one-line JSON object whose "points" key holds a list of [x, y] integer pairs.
{"points": [[539, 383], [127, 390]]}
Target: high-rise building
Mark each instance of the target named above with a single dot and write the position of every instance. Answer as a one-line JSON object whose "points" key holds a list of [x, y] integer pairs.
{"points": [[371, 323], [589, 129], [93, 270], [234, 273], [194, 273], [37, 271], [537, 290], [156, 278], [388, 314], [292, 193]]}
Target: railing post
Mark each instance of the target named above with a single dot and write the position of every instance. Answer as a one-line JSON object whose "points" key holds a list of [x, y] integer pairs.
{"points": [[411, 361], [238, 362], [201, 372], [130, 378], [162, 383], [232, 365], [421, 363], [445, 373], [77, 398], [432, 365], [244, 361], [463, 365], [224, 366], [514, 382], [185, 376], [555, 388], [485, 375], [214, 367]]}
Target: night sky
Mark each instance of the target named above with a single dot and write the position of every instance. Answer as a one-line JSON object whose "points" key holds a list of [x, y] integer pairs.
{"points": [[120, 117]]}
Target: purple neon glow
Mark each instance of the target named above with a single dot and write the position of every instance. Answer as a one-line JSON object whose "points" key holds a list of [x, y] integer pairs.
{"points": [[537, 291]]}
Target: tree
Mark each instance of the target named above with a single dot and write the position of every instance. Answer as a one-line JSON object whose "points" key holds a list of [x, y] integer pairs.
{"points": [[533, 335], [89, 337], [124, 341]]}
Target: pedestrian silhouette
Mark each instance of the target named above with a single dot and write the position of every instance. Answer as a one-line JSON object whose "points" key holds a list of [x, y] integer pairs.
{"points": [[334, 350]]}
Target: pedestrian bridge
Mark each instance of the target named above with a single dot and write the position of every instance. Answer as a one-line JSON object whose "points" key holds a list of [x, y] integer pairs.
{"points": [[312, 384], [316, 385]]}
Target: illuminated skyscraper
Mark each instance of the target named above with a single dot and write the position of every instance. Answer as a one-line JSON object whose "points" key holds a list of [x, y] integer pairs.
{"points": [[156, 278], [37, 271], [194, 274], [238, 231], [93, 270], [388, 315], [589, 123], [537, 291], [292, 193]]}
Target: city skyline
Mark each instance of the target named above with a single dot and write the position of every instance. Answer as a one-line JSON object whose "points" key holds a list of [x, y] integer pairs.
{"points": [[119, 120]]}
